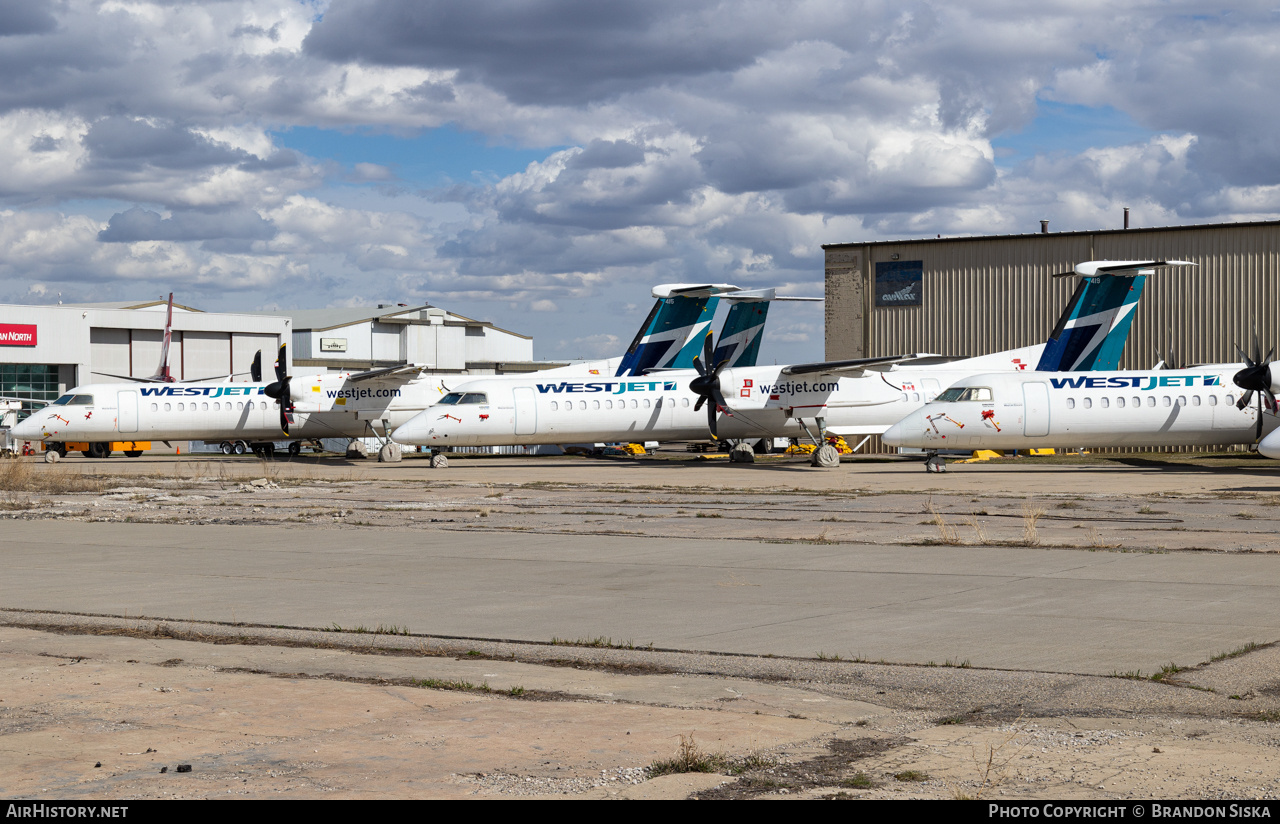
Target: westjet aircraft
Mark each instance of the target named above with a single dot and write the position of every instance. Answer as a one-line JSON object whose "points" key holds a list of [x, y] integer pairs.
{"points": [[1200, 406], [864, 396], [350, 404]]}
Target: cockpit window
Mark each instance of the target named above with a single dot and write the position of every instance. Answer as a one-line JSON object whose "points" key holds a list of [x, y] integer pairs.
{"points": [[450, 399], [74, 400], [965, 393], [474, 397]]}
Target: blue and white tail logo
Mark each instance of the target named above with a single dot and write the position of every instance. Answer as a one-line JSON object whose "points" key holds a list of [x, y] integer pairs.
{"points": [[740, 336], [1092, 331], [661, 342]]}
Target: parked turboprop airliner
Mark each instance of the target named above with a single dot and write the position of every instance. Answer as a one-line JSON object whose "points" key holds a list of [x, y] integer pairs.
{"points": [[1200, 406], [350, 404], [863, 396]]}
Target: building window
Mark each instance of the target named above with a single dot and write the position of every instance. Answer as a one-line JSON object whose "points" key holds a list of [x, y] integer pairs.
{"points": [[29, 380]]}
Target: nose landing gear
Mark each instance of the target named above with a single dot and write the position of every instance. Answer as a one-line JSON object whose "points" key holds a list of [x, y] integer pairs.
{"points": [[934, 462]]}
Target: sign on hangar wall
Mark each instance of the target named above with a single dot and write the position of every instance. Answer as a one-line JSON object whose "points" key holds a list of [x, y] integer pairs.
{"points": [[17, 334], [900, 283]]}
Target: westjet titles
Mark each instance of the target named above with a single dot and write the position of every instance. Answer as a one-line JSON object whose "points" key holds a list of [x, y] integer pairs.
{"points": [[1152, 381], [608, 386], [209, 391]]}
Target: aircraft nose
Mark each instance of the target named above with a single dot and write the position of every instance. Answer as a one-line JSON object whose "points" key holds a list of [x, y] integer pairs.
{"points": [[905, 432], [28, 430], [413, 431]]}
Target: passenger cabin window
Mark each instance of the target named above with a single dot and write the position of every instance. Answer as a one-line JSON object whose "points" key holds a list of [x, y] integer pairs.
{"points": [[1071, 403]]}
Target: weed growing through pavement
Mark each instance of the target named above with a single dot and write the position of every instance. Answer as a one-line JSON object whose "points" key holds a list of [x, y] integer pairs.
{"points": [[979, 531], [991, 770], [1031, 515], [946, 534], [689, 758], [1238, 651]]}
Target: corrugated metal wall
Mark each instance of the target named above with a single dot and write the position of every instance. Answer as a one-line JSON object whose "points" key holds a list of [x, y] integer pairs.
{"points": [[984, 295]]}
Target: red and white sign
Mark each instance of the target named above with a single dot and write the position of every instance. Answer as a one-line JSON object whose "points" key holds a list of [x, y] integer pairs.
{"points": [[17, 334]]}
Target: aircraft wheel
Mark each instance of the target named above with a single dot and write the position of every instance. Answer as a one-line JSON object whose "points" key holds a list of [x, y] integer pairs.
{"points": [[935, 463], [60, 448], [825, 456], [295, 448], [239, 447], [226, 448], [98, 450], [133, 453], [742, 453], [52, 456], [439, 462]]}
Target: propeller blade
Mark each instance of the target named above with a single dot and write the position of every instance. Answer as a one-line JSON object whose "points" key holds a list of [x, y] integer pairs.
{"points": [[711, 420], [1244, 400], [280, 364], [701, 400], [697, 364]]}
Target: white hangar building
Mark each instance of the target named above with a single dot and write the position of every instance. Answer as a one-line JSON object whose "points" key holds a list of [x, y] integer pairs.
{"points": [[389, 335], [45, 350]]}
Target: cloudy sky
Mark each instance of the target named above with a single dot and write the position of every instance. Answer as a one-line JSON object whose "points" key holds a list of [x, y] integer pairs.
{"points": [[542, 163]]}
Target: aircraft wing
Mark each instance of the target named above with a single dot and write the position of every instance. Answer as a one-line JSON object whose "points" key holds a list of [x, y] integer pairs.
{"points": [[402, 374], [844, 367]]}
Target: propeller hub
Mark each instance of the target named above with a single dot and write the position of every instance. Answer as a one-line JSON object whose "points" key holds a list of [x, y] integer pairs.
{"points": [[1254, 378]]}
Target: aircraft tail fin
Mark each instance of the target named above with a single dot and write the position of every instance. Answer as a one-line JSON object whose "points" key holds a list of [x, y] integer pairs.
{"points": [[739, 341], [1091, 333], [672, 334], [162, 371]]}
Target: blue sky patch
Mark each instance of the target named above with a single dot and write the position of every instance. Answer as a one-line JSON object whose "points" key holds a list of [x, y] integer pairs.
{"points": [[1063, 128], [434, 157]]}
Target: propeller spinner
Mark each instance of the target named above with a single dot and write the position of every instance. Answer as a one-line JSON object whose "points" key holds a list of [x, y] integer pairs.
{"points": [[707, 386], [1256, 377], [279, 390]]}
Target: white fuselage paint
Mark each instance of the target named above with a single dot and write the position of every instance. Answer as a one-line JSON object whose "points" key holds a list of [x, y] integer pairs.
{"points": [[326, 406], [764, 401], [1174, 407]]}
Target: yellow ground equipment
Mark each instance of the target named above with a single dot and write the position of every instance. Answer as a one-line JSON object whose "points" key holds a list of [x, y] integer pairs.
{"points": [[101, 450], [808, 448]]}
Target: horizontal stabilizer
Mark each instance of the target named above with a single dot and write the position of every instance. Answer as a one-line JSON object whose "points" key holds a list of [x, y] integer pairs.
{"points": [[1101, 268], [692, 290]]}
